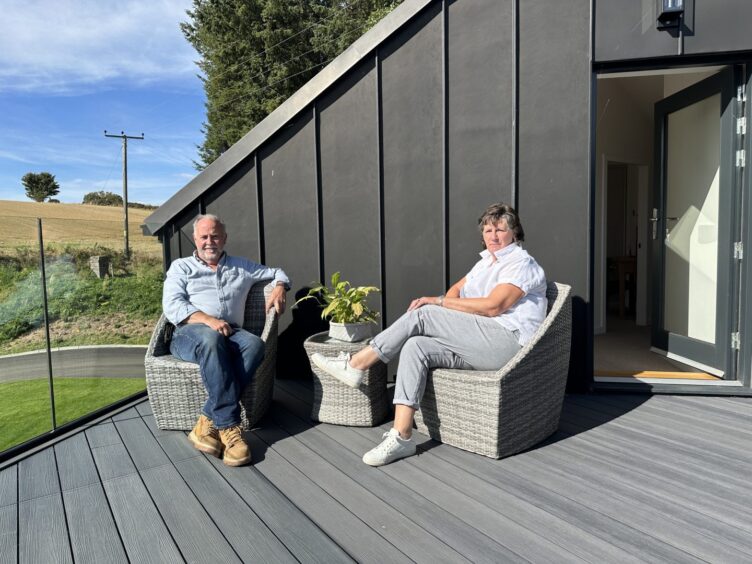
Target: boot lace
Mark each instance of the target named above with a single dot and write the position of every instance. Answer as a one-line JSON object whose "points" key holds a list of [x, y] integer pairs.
{"points": [[232, 436]]}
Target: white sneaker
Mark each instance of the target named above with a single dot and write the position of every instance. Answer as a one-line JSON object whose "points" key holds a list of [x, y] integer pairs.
{"points": [[392, 448], [340, 368]]}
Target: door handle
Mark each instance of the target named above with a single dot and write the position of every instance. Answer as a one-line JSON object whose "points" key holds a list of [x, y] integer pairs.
{"points": [[654, 221]]}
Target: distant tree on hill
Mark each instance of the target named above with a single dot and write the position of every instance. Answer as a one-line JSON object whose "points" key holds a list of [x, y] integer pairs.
{"points": [[110, 199], [103, 199], [40, 186]]}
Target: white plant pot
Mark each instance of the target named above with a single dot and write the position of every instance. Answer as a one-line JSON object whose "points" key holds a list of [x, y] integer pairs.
{"points": [[352, 331]]}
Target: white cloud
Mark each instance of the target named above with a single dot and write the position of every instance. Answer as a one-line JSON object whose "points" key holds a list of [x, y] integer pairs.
{"points": [[71, 45], [11, 156]]}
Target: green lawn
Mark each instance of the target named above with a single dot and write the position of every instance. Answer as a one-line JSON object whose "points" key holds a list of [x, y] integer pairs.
{"points": [[25, 405]]}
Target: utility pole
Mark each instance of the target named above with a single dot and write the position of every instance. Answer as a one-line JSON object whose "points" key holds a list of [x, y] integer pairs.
{"points": [[125, 138]]}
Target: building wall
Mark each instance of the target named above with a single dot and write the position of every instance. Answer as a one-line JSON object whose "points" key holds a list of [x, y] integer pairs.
{"points": [[384, 176], [627, 30]]}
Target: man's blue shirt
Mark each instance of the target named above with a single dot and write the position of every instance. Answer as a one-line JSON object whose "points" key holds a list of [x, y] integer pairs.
{"points": [[192, 286]]}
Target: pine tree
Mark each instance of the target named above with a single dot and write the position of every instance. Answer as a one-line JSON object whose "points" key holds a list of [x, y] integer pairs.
{"points": [[254, 54]]}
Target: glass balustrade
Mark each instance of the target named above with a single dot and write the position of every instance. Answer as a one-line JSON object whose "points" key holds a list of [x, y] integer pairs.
{"points": [[101, 308]]}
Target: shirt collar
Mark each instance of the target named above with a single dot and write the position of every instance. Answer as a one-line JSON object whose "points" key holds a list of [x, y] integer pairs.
{"points": [[202, 261], [485, 253]]}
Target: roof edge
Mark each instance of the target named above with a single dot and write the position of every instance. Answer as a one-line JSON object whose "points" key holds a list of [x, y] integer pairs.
{"points": [[284, 113]]}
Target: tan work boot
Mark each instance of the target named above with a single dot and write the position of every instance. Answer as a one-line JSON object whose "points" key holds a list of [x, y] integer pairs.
{"points": [[205, 437], [237, 452]]}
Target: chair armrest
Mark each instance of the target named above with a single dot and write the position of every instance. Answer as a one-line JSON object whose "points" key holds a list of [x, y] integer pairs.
{"points": [[156, 343]]}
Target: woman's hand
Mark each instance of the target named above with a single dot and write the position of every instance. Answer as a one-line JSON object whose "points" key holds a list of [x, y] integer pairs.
{"points": [[425, 300]]}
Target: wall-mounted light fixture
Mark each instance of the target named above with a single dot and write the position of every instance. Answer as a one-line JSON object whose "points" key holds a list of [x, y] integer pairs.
{"points": [[670, 13]]}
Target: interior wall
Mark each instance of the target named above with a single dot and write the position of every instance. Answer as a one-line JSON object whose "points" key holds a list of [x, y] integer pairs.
{"points": [[624, 134]]}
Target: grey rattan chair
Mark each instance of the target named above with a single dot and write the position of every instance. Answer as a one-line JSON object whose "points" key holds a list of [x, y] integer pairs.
{"points": [[501, 413], [176, 392]]}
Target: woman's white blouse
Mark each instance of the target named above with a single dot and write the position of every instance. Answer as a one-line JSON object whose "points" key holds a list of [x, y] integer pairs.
{"points": [[511, 265]]}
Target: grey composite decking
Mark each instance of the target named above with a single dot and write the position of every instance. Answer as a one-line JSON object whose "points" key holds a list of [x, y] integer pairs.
{"points": [[626, 479]]}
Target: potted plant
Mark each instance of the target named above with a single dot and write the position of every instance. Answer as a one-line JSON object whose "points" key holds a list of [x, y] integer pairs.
{"points": [[350, 318]]}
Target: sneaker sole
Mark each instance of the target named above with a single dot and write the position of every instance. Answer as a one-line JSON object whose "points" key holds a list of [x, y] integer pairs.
{"points": [[351, 383], [237, 461], [376, 463], [203, 447]]}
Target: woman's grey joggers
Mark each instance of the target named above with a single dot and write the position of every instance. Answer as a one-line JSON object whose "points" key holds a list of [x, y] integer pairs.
{"points": [[436, 337]]}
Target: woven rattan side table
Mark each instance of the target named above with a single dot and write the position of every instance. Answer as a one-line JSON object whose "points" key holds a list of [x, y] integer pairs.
{"points": [[338, 403]]}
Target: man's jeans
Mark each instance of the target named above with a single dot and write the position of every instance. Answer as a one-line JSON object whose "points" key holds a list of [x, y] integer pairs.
{"points": [[227, 366]]}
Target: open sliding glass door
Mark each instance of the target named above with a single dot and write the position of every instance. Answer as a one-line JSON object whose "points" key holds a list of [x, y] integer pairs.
{"points": [[693, 224]]}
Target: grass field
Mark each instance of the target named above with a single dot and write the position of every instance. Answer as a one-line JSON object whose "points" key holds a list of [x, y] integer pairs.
{"points": [[25, 406], [72, 224]]}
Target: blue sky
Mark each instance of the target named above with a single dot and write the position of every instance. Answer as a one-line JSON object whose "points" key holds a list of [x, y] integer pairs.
{"points": [[69, 69]]}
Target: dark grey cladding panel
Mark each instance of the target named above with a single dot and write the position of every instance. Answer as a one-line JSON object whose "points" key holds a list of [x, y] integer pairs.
{"points": [[173, 245], [348, 140], [286, 112], [480, 120], [554, 189], [623, 30], [719, 25], [233, 199], [181, 240], [288, 187], [412, 139]]}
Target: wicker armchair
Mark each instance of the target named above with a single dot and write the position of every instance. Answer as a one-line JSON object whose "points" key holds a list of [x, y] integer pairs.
{"points": [[501, 413], [176, 391]]}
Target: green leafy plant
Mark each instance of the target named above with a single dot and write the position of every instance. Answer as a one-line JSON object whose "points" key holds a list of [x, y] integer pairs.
{"points": [[343, 302]]}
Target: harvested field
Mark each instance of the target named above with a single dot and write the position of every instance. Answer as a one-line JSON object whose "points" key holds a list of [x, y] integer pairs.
{"points": [[72, 224]]}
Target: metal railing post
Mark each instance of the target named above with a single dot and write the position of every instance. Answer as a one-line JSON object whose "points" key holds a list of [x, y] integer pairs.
{"points": [[46, 322]]}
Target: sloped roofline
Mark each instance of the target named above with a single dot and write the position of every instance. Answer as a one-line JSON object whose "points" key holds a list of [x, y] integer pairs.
{"points": [[289, 109]]}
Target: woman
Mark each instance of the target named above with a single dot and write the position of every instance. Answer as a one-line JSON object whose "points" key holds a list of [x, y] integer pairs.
{"points": [[481, 323]]}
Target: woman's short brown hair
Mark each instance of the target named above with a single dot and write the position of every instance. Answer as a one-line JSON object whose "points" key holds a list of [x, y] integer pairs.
{"points": [[496, 212]]}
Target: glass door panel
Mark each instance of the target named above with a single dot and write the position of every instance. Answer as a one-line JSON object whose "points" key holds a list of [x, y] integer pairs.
{"points": [[691, 232]]}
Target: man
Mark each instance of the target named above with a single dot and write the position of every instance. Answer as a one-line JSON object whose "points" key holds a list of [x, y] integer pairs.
{"points": [[204, 297]]}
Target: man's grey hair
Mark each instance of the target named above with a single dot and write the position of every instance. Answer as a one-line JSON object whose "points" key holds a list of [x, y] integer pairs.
{"points": [[215, 218]]}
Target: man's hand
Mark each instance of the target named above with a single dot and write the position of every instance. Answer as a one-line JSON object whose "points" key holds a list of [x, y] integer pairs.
{"points": [[277, 299], [219, 325]]}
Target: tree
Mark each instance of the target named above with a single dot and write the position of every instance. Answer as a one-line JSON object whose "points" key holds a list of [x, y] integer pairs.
{"points": [[103, 199], [40, 186], [254, 54]]}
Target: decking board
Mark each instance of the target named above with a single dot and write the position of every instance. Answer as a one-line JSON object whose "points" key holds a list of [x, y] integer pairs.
{"points": [[674, 502], [9, 486], [626, 479], [302, 537], [75, 465], [669, 480], [303, 487], [144, 534], [420, 511], [9, 533], [37, 476], [508, 513], [93, 535], [43, 530]]}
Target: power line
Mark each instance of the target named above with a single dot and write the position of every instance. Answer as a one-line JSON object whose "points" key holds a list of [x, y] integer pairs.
{"points": [[262, 88], [252, 55], [241, 62]]}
